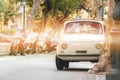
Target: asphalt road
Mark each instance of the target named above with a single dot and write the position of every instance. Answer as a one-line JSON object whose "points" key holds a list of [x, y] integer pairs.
{"points": [[42, 67]]}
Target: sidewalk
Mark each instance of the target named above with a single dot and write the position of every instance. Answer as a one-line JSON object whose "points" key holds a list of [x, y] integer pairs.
{"points": [[95, 77]]}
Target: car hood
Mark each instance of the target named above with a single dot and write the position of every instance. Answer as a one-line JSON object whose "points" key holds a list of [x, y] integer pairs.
{"points": [[83, 37]]}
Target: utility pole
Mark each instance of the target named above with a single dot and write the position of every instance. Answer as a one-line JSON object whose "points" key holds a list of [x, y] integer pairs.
{"points": [[102, 15], [24, 4]]}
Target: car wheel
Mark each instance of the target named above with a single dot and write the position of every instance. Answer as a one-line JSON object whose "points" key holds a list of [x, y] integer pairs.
{"points": [[15, 54], [22, 54], [28, 52], [14, 51], [59, 63], [66, 64], [11, 53], [31, 51]]}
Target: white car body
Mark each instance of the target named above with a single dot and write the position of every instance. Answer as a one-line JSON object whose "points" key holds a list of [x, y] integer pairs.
{"points": [[81, 46]]}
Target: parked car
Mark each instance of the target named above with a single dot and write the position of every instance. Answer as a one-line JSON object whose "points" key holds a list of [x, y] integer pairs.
{"points": [[81, 40], [40, 46], [54, 43], [30, 43], [28, 48], [45, 44], [17, 47]]}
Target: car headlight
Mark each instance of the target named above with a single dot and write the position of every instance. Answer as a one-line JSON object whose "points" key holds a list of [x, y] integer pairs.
{"points": [[98, 46], [64, 46]]}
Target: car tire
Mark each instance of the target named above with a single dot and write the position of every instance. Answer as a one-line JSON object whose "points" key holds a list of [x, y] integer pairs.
{"points": [[11, 53], [15, 54], [66, 64], [59, 63], [22, 54], [27, 52]]}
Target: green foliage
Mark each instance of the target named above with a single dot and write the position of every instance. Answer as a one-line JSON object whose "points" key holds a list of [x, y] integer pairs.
{"points": [[8, 31], [2, 6], [28, 2], [65, 6], [54, 7], [10, 10]]}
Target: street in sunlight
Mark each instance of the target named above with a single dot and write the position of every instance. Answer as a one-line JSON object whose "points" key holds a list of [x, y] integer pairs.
{"points": [[59, 40], [42, 67]]}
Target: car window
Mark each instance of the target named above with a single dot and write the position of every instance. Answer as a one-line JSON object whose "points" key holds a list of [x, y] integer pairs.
{"points": [[83, 27]]}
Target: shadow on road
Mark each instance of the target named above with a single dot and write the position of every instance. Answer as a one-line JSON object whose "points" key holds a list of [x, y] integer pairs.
{"points": [[76, 69]]}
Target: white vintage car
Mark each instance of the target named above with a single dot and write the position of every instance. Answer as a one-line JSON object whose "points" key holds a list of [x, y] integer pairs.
{"points": [[81, 40]]}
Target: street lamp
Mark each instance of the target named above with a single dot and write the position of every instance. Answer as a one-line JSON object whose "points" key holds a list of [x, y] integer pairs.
{"points": [[24, 4], [102, 15]]}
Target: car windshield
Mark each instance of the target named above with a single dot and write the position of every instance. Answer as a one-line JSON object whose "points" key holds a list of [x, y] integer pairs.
{"points": [[85, 27]]}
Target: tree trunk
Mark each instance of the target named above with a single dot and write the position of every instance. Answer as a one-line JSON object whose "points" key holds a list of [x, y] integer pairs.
{"points": [[43, 21], [36, 4], [45, 12], [98, 9], [103, 65], [35, 7]]}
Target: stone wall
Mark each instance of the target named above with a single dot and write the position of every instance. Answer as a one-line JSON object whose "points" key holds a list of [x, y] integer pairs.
{"points": [[4, 48]]}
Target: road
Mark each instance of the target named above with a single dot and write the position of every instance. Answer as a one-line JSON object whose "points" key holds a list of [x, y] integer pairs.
{"points": [[41, 67]]}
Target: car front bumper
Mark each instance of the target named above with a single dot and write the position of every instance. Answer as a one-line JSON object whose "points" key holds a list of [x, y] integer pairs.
{"points": [[75, 58]]}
